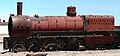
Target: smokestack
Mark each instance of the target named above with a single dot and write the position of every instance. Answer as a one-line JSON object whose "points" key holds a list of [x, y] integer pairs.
{"points": [[0, 20], [19, 8]]}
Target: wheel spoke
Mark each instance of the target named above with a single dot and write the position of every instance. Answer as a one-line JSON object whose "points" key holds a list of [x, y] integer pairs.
{"points": [[19, 48]]}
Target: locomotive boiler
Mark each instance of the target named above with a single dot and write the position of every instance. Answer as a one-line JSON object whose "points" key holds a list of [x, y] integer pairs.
{"points": [[71, 32]]}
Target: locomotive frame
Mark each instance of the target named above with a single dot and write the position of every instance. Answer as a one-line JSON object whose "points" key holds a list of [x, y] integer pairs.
{"points": [[87, 38], [65, 41]]}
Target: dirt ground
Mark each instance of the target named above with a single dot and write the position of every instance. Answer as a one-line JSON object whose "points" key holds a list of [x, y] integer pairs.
{"points": [[69, 53]]}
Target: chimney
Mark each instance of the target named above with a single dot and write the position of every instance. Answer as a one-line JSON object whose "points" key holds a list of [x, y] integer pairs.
{"points": [[71, 11], [19, 8], [0, 20]]}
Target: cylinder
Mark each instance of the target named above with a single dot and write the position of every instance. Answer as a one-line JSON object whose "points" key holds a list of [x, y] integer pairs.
{"points": [[19, 8], [71, 11]]}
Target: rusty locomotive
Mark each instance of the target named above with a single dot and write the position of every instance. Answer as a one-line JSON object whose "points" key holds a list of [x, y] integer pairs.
{"points": [[69, 32]]}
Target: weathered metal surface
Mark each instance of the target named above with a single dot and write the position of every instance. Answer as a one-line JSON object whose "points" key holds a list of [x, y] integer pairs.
{"points": [[100, 22], [19, 26], [98, 41], [71, 11], [117, 28], [22, 25], [19, 8], [56, 23]]}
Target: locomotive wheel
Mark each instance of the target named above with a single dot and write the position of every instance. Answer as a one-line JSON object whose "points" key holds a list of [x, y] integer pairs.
{"points": [[82, 48], [34, 47], [52, 47], [116, 44], [18, 48], [51, 44]]}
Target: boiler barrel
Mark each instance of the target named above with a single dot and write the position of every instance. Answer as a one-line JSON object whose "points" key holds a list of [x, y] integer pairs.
{"points": [[22, 26], [57, 23]]}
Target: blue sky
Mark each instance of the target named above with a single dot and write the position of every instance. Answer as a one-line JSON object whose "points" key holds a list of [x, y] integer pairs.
{"points": [[58, 7]]}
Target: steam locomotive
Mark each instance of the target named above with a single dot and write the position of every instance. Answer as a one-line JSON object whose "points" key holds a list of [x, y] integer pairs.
{"points": [[71, 32]]}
